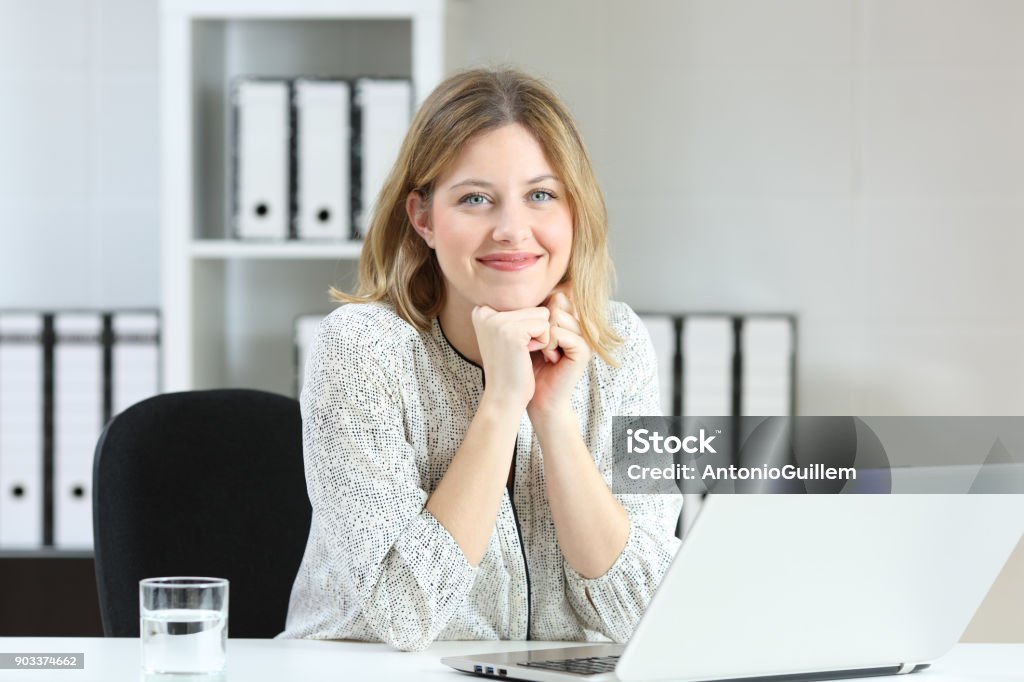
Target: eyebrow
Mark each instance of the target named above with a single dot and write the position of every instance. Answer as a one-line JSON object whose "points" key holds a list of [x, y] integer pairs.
{"points": [[484, 183]]}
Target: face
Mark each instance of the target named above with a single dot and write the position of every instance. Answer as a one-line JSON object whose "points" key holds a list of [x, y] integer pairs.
{"points": [[499, 222]]}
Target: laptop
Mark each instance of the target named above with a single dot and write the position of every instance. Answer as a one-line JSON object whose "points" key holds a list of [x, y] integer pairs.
{"points": [[801, 587]]}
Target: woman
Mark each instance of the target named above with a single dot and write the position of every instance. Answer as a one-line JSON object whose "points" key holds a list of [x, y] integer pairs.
{"points": [[457, 413]]}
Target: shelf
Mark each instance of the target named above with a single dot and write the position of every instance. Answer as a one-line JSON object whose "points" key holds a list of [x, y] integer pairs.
{"points": [[229, 306], [46, 553], [228, 249], [291, 9]]}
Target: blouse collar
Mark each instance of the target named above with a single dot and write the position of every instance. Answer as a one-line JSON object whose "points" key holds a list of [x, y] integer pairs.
{"points": [[464, 368]]}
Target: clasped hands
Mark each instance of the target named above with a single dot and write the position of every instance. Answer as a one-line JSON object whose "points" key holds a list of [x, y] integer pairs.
{"points": [[533, 357]]}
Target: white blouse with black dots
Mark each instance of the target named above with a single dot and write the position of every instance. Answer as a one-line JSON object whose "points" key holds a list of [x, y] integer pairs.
{"points": [[384, 409]]}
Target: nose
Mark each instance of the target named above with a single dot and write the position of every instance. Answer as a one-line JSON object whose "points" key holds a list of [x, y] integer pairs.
{"points": [[513, 224]]}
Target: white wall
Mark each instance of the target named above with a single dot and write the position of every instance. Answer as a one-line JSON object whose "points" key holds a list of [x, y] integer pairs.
{"points": [[78, 153]]}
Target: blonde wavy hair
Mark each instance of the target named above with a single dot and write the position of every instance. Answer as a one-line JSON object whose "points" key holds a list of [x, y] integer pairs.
{"points": [[397, 266]]}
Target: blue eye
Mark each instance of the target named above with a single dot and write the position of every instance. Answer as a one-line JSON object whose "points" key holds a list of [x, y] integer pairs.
{"points": [[472, 199], [541, 195]]}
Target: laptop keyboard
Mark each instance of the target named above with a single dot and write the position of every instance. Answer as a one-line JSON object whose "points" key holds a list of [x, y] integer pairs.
{"points": [[581, 666]]}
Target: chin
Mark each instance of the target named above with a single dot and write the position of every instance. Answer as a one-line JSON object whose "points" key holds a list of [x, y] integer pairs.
{"points": [[512, 301]]}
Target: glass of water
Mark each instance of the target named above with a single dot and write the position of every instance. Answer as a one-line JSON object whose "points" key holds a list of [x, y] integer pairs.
{"points": [[183, 624]]}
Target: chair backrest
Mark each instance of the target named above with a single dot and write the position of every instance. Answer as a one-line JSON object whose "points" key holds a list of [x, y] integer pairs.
{"points": [[204, 483]]}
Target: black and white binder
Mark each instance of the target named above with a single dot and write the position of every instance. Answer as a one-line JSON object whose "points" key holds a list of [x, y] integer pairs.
{"points": [[662, 330], [77, 423], [766, 345], [707, 381], [135, 361], [262, 157], [384, 112], [708, 353], [305, 332], [322, 180], [21, 430]]}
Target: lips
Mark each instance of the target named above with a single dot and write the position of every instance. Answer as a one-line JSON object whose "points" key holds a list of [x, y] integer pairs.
{"points": [[510, 261]]}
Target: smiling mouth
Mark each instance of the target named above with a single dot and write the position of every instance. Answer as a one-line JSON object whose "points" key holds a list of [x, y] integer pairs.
{"points": [[510, 262]]}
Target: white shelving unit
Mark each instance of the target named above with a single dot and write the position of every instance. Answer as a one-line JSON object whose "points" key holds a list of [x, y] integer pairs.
{"points": [[217, 249], [228, 306]]}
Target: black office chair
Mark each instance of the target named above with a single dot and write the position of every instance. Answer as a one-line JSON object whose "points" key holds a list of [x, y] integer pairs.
{"points": [[202, 483]]}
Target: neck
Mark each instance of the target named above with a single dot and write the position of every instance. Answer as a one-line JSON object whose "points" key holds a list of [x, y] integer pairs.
{"points": [[457, 324]]}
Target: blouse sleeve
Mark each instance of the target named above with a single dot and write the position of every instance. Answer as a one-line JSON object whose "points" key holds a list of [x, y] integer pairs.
{"points": [[395, 565], [613, 603]]}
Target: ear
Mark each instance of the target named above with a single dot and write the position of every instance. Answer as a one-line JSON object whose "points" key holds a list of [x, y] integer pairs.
{"points": [[419, 215]]}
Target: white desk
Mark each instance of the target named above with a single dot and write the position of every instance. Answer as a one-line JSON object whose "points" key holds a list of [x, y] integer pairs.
{"points": [[262, 660]]}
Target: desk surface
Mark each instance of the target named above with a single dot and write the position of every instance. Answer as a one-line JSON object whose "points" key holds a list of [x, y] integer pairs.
{"points": [[259, 660]]}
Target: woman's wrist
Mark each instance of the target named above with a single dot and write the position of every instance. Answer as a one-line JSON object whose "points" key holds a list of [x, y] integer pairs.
{"points": [[499, 407], [552, 419]]}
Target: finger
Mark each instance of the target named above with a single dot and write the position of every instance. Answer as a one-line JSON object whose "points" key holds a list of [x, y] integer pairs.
{"points": [[529, 326], [538, 334], [511, 318], [562, 319], [533, 323], [552, 339], [558, 300], [538, 313], [574, 346], [483, 312]]}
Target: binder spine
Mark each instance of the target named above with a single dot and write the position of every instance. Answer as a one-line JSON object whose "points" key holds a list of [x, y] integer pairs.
{"points": [[677, 366], [322, 159], [293, 164], [136, 373], [107, 340], [355, 146], [21, 430], [737, 388], [679, 369], [768, 365], [385, 104], [792, 365], [236, 200], [260, 188], [49, 340], [737, 366]]}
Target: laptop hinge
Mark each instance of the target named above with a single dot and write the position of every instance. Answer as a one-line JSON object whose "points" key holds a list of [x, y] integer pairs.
{"points": [[906, 668]]}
